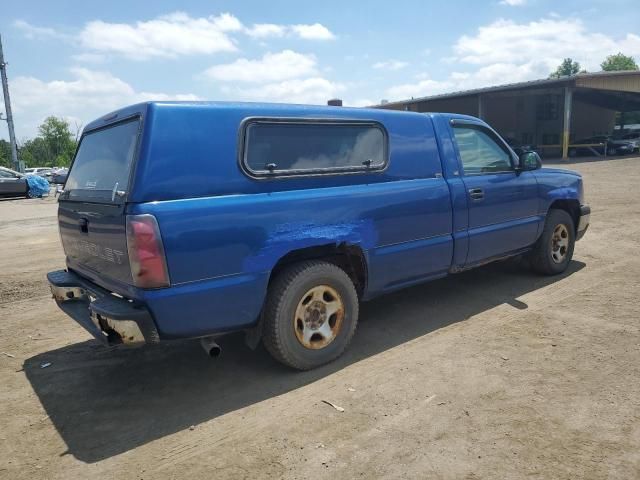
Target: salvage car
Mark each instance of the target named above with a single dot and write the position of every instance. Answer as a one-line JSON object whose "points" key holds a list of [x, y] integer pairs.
{"points": [[595, 146], [633, 138], [12, 183], [296, 215], [59, 176]]}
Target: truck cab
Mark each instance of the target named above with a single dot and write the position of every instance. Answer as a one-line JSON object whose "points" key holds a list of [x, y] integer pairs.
{"points": [[195, 219]]}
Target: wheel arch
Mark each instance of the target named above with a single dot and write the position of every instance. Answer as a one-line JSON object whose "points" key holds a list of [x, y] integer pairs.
{"points": [[571, 206], [348, 257]]}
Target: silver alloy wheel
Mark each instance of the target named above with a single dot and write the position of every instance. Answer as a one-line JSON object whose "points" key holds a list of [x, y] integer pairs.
{"points": [[318, 317], [559, 243]]}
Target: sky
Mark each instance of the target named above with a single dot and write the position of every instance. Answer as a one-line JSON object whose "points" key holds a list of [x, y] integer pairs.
{"points": [[82, 59]]}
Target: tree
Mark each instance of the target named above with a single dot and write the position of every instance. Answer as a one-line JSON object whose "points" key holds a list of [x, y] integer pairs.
{"points": [[54, 146], [617, 62], [5, 154], [566, 68]]}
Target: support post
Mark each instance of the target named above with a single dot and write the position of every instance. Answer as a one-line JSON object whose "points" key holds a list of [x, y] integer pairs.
{"points": [[566, 126], [480, 106], [7, 107]]}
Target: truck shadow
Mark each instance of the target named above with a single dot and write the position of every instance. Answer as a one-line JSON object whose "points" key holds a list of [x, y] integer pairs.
{"points": [[104, 402]]}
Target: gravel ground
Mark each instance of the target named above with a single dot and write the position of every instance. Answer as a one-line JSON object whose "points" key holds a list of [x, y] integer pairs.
{"points": [[494, 373]]}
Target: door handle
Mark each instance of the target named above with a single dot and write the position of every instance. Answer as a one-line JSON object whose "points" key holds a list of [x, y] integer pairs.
{"points": [[476, 193], [84, 225]]}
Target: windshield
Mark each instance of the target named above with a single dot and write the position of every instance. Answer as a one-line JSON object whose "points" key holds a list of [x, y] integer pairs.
{"points": [[12, 172], [100, 171]]}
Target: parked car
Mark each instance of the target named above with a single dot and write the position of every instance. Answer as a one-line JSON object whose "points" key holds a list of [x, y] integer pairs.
{"points": [[595, 146], [519, 148], [44, 172], [633, 137], [295, 216], [59, 176], [12, 183]]}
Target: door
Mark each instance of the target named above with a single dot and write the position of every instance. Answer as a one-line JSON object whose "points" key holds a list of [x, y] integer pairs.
{"points": [[12, 184], [502, 203]]}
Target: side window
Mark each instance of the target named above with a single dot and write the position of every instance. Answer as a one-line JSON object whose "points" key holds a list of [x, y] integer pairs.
{"points": [[4, 174], [273, 147], [479, 152]]}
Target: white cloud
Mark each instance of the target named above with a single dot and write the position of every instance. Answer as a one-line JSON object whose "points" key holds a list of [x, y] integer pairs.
{"points": [[547, 40], [359, 102], [263, 30], [507, 52], [390, 65], [31, 31], [424, 87], [271, 67], [173, 35], [315, 31], [88, 95], [286, 76], [513, 3], [165, 36], [314, 90]]}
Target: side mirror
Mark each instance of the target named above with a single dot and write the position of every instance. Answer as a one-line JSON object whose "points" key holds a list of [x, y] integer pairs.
{"points": [[529, 161]]}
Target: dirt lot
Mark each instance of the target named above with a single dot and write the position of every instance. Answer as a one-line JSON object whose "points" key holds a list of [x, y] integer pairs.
{"points": [[495, 373]]}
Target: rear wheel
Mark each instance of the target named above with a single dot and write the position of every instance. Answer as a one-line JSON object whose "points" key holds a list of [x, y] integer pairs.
{"points": [[554, 250], [310, 315]]}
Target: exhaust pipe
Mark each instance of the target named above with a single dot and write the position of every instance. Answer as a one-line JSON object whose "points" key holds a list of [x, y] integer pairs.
{"points": [[211, 347]]}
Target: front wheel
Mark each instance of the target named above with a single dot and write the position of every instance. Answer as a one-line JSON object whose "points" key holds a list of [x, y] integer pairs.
{"points": [[554, 250], [310, 315]]}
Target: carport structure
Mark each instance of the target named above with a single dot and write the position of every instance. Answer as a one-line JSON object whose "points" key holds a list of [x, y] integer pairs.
{"points": [[552, 114]]}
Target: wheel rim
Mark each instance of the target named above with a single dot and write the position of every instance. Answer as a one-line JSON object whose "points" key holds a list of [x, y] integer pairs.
{"points": [[318, 318], [560, 243]]}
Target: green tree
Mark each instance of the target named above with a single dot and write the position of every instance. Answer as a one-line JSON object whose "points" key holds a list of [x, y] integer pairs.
{"points": [[54, 146], [566, 68], [35, 153], [617, 62], [5, 154]]}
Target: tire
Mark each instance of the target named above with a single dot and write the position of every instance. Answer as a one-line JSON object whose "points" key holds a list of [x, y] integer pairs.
{"points": [[553, 251], [310, 315]]}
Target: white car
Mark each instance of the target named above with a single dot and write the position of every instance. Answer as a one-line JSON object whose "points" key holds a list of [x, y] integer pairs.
{"points": [[38, 170], [633, 137]]}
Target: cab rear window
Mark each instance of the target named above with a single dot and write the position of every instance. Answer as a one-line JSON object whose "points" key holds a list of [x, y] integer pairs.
{"points": [[101, 168]]}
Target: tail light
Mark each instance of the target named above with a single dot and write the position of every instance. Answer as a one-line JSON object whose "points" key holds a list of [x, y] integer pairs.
{"points": [[146, 253]]}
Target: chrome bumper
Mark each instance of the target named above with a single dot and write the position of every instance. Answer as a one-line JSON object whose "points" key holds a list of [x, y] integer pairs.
{"points": [[110, 319], [583, 224]]}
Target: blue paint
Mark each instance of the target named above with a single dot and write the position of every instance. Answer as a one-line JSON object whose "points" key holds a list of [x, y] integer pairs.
{"points": [[224, 232]]}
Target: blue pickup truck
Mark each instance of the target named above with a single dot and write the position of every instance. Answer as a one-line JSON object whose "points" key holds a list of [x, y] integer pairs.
{"points": [[192, 220]]}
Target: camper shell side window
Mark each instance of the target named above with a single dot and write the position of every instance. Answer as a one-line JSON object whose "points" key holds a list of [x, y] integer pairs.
{"points": [[291, 147]]}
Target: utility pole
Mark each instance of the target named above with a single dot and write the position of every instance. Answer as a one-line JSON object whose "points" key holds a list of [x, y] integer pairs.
{"points": [[7, 107]]}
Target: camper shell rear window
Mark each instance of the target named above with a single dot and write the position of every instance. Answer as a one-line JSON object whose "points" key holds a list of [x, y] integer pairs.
{"points": [[102, 166]]}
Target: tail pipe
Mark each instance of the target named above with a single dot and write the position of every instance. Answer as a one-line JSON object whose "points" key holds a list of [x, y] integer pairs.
{"points": [[211, 346]]}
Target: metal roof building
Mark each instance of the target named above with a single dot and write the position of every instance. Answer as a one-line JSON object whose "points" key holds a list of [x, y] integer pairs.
{"points": [[549, 113]]}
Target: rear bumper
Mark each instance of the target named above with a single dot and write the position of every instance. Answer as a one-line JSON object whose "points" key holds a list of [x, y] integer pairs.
{"points": [[111, 320], [583, 224]]}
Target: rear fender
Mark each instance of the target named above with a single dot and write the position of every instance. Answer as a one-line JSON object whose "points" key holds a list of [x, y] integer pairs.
{"points": [[292, 237]]}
